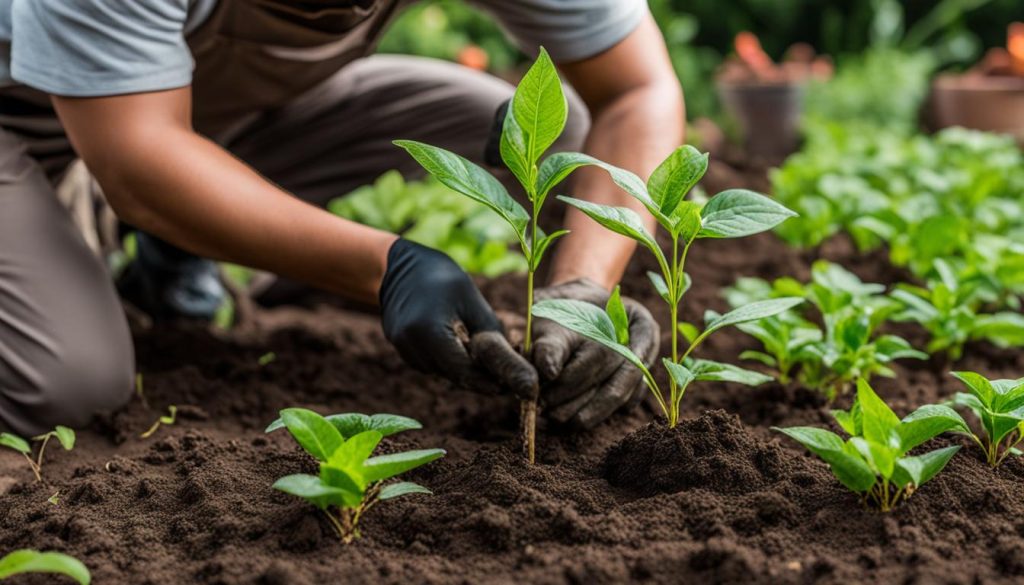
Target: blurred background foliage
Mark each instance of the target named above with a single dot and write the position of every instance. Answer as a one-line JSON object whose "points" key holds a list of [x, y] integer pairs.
{"points": [[885, 50]]}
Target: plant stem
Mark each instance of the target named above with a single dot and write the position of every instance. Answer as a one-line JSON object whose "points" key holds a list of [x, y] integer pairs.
{"points": [[42, 448], [35, 468], [528, 408]]}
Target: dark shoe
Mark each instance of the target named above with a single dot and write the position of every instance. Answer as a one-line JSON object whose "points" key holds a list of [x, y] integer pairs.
{"points": [[169, 283]]}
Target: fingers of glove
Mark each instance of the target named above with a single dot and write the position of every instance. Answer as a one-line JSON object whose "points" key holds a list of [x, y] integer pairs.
{"points": [[563, 413], [616, 393], [492, 353], [437, 349], [474, 310], [589, 366], [553, 345]]}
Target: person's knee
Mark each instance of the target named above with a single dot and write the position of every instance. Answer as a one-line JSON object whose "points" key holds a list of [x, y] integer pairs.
{"points": [[79, 382]]}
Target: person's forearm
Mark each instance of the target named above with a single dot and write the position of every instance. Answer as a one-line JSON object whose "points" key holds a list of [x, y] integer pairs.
{"points": [[635, 132], [195, 195]]}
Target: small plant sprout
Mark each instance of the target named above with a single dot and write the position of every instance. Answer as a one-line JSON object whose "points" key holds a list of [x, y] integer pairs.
{"points": [[21, 562], [351, 480], [536, 117], [169, 419], [140, 390], [874, 461], [266, 358], [64, 435], [999, 406], [610, 328], [730, 214]]}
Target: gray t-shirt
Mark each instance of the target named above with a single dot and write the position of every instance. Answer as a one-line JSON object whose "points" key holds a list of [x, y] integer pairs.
{"points": [[110, 47]]}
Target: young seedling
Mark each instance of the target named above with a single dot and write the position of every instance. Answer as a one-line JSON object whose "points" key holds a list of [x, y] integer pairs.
{"points": [[999, 406], [847, 348], [874, 461], [610, 328], [948, 308], [536, 117], [169, 419], [730, 214], [64, 435], [350, 481], [26, 561]]}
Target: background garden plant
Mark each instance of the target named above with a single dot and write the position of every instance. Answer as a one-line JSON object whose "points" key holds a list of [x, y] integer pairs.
{"points": [[64, 435], [999, 407], [21, 562], [874, 461], [350, 479], [848, 346], [730, 214]]}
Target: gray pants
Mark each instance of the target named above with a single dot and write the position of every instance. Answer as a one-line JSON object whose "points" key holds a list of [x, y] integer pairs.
{"points": [[65, 348]]}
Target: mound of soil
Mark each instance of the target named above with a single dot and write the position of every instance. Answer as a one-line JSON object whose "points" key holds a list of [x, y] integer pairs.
{"points": [[720, 499]]}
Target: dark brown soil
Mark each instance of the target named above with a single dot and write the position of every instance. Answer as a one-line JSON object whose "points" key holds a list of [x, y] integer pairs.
{"points": [[721, 499]]}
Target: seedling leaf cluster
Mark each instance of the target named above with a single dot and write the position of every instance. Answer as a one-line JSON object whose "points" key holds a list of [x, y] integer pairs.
{"points": [[64, 435], [874, 461], [351, 479]]}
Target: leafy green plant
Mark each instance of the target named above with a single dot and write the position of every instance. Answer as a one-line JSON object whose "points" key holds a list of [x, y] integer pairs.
{"points": [[949, 309], [426, 213], [351, 479], [536, 118], [730, 214], [847, 348], [999, 407], [64, 435], [874, 461], [25, 561]]}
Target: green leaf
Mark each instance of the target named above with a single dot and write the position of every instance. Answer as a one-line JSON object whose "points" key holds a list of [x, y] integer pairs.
{"points": [[920, 469], [1003, 329], [737, 212], [928, 422], [15, 442], [542, 246], [675, 176], [879, 457], [317, 436], [588, 320], [385, 466], [536, 117], [849, 421], [681, 375], [848, 468], [557, 167], [617, 313], [66, 437], [348, 479], [353, 423], [353, 452], [25, 561], [689, 331], [685, 222], [621, 220], [752, 312], [311, 489], [710, 371], [660, 286], [978, 385], [402, 488], [469, 179], [879, 421]]}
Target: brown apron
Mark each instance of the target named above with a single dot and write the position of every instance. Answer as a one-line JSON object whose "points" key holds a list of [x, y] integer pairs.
{"points": [[255, 55]]}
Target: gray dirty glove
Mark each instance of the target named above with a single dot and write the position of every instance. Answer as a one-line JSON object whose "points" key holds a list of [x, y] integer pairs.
{"points": [[583, 382], [440, 323]]}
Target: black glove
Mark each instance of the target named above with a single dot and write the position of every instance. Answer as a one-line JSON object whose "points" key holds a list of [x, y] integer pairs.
{"points": [[440, 323], [583, 381]]}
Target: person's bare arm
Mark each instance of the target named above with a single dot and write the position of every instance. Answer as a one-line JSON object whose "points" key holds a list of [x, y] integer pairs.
{"points": [[162, 177], [638, 116]]}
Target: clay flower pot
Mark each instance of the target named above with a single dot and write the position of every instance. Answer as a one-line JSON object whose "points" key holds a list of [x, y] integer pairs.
{"points": [[993, 104], [767, 113]]}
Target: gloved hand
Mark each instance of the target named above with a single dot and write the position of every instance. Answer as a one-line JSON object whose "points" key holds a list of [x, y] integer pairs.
{"points": [[583, 382], [440, 323]]}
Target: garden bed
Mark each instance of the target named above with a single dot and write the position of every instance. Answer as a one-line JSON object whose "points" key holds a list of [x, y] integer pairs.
{"points": [[720, 499]]}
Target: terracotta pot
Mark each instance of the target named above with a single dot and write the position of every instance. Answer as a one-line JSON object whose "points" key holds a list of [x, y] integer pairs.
{"points": [[768, 115], [993, 104]]}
